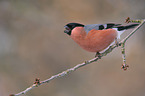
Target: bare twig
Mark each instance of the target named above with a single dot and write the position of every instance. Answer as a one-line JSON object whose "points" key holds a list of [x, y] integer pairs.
{"points": [[134, 21], [124, 66]]}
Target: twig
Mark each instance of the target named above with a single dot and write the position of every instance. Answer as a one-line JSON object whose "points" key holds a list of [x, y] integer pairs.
{"points": [[134, 21], [124, 65], [38, 82]]}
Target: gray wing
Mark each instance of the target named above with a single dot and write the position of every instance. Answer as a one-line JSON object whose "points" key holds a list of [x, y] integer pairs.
{"points": [[100, 26]]}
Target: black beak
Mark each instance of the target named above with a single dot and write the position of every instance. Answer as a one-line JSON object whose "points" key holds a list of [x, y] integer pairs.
{"points": [[67, 29]]}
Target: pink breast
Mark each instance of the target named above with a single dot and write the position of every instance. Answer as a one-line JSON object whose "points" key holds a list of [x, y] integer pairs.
{"points": [[95, 40]]}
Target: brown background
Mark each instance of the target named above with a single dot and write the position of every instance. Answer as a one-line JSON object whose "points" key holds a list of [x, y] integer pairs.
{"points": [[33, 45]]}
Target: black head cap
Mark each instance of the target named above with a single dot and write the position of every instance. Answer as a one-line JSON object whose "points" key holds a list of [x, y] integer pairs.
{"points": [[70, 26]]}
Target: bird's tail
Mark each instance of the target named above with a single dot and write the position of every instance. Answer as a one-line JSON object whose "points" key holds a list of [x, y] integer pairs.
{"points": [[121, 28]]}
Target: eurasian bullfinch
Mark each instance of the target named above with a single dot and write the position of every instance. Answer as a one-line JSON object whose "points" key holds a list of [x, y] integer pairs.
{"points": [[95, 37]]}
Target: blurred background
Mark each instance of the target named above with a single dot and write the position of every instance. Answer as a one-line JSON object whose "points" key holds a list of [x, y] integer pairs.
{"points": [[33, 45]]}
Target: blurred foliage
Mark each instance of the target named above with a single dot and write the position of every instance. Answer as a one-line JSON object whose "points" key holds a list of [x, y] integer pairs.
{"points": [[33, 45]]}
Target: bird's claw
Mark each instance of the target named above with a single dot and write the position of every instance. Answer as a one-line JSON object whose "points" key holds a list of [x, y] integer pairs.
{"points": [[117, 43], [98, 55]]}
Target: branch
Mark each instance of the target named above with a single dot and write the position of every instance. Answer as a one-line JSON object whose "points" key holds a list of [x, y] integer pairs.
{"points": [[122, 43], [66, 72], [133, 21]]}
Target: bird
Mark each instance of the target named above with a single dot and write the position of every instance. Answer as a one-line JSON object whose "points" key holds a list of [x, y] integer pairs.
{"points": [[96, 37]]}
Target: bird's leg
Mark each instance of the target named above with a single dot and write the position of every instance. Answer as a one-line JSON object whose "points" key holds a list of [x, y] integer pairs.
{"points": [[98, 55], [117, 43]]}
